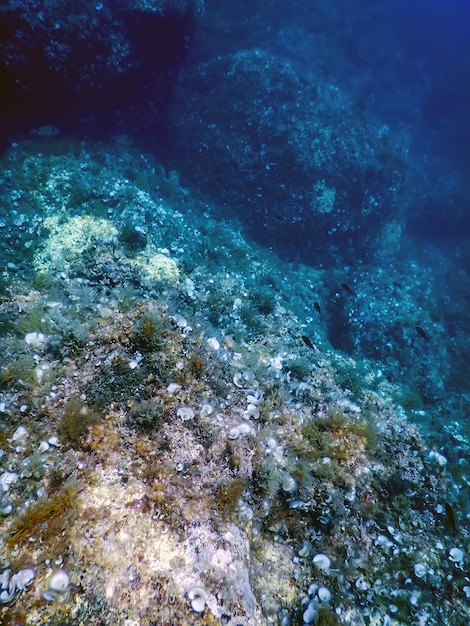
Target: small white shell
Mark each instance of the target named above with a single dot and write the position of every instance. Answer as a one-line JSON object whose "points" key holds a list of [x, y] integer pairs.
{"points": [[241, 379], [251, 412], [237, 380], [35, 339], [312, 590], [244, 428], [7, 479], [7, 596], [419, 570], [43, 447], [173, 388], [58, 587], [362, 585], [310, 613], [213, 343], [289, 484], [254, 396], [324, 594], [198, 597], [4, 578], [455, 555], [180, 321], [6, 509], [322, 561], [414, 599], [23, 578], [59, 581], [20, 435], [233, 433], [438, 458], [185, 413]]}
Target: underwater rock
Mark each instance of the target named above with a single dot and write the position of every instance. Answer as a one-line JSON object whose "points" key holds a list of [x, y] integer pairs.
{"points": [[89, 51], [255, 129]]}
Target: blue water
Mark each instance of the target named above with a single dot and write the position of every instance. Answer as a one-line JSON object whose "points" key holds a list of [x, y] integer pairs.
{"points": [[327, 143]]}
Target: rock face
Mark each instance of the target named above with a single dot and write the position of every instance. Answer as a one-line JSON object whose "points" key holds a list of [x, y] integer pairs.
{"points": [[290, 154], [61, 60]]}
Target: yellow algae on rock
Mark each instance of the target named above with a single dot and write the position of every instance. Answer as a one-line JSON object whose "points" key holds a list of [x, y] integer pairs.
{"points": [[67, 240], [155, 265]]}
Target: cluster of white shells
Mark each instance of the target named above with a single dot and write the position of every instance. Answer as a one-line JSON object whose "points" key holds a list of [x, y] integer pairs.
{"points": [[11, 585], [317, 595], [238, 431], [8, 479]]}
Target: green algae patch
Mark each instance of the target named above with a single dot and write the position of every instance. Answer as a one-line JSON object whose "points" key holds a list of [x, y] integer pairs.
{"points": [[69, 239], [75, 420]]}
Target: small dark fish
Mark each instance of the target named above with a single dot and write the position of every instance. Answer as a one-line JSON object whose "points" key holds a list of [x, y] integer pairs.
{"points": [[450, 516], [347, 288], [422, 333], [317, 306], [307, 342], [396, 284]]}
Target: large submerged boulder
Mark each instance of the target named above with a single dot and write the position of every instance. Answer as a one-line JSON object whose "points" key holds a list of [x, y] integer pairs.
{"points": [[60, 59], [291, 155]]}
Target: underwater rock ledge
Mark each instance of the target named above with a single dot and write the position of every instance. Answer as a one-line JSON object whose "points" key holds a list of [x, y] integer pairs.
{"points": [[171, 450]]}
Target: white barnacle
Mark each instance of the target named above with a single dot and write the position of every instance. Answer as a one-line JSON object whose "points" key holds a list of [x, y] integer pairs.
{"points": [[180, 321], [8, 590], [7, 479], [289, 484], [136, 361], [237, 380], [438, 458], [245, 511]]}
